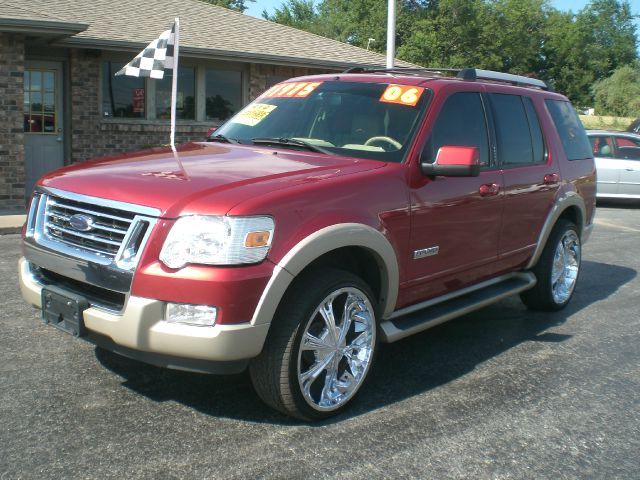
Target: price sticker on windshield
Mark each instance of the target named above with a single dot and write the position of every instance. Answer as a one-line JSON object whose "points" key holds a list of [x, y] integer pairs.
{"points": [[253, 114], [291, 89], [402, 94]]}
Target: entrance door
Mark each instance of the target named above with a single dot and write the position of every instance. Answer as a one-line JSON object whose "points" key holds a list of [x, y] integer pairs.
{"points": [[455, 221], [43, 122]]}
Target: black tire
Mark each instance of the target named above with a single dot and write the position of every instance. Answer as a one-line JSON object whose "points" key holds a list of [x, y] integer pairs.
{"points": [[549, 294], [277, 373]]}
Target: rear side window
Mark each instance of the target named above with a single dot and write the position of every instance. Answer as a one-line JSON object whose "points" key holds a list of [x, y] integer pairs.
{"points": [[572, 135], [461, 122], [518, 134]]}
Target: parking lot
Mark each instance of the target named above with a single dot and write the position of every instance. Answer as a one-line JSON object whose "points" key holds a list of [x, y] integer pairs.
{"points": [[501, 393]]}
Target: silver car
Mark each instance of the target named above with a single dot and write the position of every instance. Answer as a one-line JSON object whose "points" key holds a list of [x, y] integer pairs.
{"points": [[617, 157]]}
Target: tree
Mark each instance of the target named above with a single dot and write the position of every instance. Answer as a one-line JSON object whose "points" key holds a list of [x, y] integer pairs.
{"points": [[619, 94], [584, 48], [570, 51], [239, 5], [302, 14]]}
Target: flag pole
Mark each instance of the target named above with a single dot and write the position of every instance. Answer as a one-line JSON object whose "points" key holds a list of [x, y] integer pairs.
{"points": [[174, 83], [391, 32]]}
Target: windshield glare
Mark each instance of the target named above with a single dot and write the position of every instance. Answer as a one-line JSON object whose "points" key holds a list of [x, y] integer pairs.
{"points": [[366, 120]]}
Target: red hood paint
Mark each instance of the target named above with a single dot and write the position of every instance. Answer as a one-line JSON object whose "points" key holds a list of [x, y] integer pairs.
{"points": [[223, 175]]}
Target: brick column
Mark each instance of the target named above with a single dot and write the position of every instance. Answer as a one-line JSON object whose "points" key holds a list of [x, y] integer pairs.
{"points": [[12, 171], [84, 69]]}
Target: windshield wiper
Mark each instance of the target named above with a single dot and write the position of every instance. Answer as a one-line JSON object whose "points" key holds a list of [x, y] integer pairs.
{"points": [[290, 141], [221, 138]]}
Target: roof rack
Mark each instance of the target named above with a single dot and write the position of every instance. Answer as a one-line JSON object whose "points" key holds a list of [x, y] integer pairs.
{"points": [[403, 70], [470, 74], [518, 80]]}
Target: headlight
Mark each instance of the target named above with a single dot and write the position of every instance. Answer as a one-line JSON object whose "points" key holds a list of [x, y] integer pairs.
{"points": [[214, 240]]}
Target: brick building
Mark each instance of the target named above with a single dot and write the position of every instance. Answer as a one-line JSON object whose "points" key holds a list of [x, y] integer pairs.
{"points": [[60, 103]]}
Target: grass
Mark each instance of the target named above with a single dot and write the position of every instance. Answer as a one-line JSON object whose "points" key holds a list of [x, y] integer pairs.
{"points": [[596, 122]]}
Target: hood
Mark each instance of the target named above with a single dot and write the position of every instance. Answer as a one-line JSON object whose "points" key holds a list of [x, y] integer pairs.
{"points": [[227, 174]]}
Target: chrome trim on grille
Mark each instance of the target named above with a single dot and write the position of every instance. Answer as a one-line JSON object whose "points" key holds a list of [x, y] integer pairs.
{"points": [[105, 256], [103, 202]]}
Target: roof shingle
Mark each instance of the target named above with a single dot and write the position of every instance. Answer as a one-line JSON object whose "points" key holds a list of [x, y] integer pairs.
{"points": [[204, 29]]}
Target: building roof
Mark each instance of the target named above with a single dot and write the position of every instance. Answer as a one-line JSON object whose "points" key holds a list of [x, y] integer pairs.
{"points": [[205, 30]]}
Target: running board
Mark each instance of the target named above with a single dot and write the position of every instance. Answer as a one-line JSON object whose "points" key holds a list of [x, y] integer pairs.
{"points": [[416, 318]]}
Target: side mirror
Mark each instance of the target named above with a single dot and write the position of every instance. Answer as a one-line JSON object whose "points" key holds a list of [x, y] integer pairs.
{"points": [[453, 162]]}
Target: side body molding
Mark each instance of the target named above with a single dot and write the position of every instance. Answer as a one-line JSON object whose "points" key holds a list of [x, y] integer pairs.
{"points": [[321, 242], [566, 200]]}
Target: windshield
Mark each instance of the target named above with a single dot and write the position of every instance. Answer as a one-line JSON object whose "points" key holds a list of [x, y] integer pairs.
{"points": [[367, 120]]}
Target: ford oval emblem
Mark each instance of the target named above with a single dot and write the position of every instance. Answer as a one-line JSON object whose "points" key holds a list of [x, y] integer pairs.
{"points": [[80, 222]]}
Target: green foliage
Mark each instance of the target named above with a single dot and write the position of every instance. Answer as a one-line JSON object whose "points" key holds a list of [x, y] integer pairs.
{"points": [[239, 5], [300, 14], [583, 48], [570, 51], [619, 94]]}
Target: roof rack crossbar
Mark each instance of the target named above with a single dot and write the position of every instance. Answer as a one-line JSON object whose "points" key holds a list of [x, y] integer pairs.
{"points": [[470, 74], [518, 80], [410, 70]]}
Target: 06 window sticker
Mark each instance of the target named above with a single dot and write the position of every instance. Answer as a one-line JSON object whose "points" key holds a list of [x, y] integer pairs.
{"points": [[402, 94]]}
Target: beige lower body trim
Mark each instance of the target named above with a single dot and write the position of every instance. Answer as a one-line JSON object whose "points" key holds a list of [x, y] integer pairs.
{"points": [[141, 327]]}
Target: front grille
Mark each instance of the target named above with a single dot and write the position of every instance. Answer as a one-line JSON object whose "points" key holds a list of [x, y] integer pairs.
{"points": [[88, 245], [107, 227], [96, 296]]}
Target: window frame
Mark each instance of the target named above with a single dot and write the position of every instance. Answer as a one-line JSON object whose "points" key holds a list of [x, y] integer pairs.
{"points": [[554, 101], [617, 154], [200, 65], [545, 151], [488, 123]]}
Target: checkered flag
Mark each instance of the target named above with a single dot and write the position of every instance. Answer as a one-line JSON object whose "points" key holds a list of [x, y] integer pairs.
{"points": [[153, 60]]}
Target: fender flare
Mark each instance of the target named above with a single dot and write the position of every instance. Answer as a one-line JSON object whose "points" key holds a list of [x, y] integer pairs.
{"points": [[317, 244], [567, 200]]}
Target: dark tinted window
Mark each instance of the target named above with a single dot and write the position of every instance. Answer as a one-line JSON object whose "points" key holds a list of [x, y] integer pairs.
{"points": [[461, 122], [223, 92], [572, 134], [512, 130], [122, 96], [185, 96], [536, 131]]}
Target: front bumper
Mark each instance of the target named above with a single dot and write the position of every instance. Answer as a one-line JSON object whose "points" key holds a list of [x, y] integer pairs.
{"points": [[141, 328]]}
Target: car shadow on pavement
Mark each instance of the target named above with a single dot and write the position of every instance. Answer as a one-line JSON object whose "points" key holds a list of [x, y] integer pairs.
{"points": [[624, 203], [403, 369]]}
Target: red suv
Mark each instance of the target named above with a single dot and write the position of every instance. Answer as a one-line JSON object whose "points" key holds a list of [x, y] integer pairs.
{"points": [[332, 213]]}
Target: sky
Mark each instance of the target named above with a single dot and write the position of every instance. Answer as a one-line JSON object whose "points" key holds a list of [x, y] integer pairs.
{"points": [[255, 8]]}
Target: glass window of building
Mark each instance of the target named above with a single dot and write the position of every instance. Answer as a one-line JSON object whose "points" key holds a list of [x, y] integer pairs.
{"points": [[122, 96], [185, 95], [223, 91]]}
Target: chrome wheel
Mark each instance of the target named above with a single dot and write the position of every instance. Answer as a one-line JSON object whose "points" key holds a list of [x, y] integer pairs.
{"points": [[566, 264], [336, 349]]}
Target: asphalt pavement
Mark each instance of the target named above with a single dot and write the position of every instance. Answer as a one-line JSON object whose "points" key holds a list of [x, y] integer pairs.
{"points": [[503, 393]]}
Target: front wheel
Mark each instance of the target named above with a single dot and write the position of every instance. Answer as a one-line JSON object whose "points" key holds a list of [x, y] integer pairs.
{"points": [[557, 269], [320, 348]]}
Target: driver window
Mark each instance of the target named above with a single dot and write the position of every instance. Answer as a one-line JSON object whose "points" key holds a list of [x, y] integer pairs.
{"points": [[461, 122]]}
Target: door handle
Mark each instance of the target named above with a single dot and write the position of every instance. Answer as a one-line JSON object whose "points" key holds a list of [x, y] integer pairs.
{"points": [[489, 189], [550, 179]]}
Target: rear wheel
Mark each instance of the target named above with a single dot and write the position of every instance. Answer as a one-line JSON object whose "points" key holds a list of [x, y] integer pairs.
{"points": [[320, 348], [557, 269]]}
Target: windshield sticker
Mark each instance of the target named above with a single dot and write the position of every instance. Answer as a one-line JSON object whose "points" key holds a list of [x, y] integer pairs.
{"points": [[402, 94], [292, 89], [253, 114]]}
